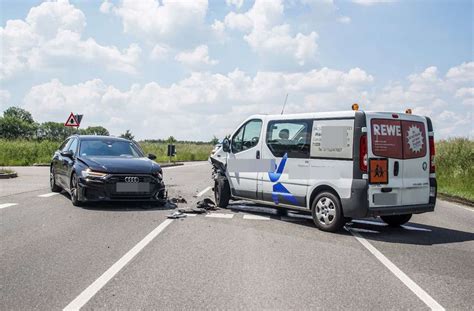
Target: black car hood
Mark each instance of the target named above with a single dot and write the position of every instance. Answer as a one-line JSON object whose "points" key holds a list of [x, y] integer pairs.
{"points": [[121, 165]]}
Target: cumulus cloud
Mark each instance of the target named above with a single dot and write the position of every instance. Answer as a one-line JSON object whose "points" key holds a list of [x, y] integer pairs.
{"points": [[50, 35], [266, 34], [159, 52], [156, 21], [196, 58], [344, 20], [372, 2], [4, 99]]}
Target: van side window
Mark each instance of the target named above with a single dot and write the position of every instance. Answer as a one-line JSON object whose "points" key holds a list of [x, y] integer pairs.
{"points": [[247, 136], [289, 136]]}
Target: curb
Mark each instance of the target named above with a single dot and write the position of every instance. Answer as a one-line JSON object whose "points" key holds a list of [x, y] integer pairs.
{"points": [[455, 199], [7, 176]]}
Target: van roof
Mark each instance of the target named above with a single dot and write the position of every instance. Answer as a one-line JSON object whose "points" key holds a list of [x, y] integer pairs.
{"points": [[329, 114]]}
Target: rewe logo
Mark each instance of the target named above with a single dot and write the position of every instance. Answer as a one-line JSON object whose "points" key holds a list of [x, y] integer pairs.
{"points": [[387, 130]]}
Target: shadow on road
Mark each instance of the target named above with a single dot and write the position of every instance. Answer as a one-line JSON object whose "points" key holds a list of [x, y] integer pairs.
{"points": [[371, 229]]}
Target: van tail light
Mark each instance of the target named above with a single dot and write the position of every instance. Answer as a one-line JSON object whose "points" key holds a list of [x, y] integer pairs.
{"points": [[363, 154], [432, 155]]}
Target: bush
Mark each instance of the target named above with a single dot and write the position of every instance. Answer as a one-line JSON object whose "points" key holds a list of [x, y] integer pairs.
{"points": [[455, 167]]}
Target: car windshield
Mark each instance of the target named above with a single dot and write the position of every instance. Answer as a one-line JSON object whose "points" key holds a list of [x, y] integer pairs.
{"points": [[109, 148]]}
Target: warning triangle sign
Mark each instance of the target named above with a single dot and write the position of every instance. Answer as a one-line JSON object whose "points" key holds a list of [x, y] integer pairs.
{"points": [[71, 121]]}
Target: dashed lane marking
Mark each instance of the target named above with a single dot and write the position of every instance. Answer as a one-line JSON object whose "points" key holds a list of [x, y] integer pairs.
{"points": [[202, 192], [256, 217], [417, 290], [90, 291], [5, 205], [47, 195], [220, 215]]}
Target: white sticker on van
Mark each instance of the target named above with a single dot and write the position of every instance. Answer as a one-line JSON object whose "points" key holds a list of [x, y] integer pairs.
{"points": [[415, 139], [332, 139]]}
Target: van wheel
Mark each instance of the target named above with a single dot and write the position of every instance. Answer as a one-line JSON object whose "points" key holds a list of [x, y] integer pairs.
{"points": [[222, 193], [396, 220], [327, 212]]}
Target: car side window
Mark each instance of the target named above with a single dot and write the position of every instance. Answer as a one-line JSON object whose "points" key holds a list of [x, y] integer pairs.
{"points": [[247, 136], [73, 146], [64, 145], [289, 136]]}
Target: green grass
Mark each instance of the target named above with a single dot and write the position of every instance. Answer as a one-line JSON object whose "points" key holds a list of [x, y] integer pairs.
{"points": [[24, 152], [455, 167]]}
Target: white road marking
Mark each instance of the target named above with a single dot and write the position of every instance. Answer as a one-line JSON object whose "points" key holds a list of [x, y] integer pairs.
{"points": [[202, 192], [7, 205], [417, 290], [364, 230], [220, 215], [191, 215], [90, 291], [415, 228], [256, 217], [47, 195], [180, 166]]}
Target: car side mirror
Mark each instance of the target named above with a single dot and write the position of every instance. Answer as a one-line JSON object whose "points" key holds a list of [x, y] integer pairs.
{"points": [[67, 154], [226, 145], [151, 156]]}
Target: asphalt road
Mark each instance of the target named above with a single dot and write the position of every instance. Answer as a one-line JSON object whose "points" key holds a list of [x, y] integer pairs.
{"points": [[129, 256]]}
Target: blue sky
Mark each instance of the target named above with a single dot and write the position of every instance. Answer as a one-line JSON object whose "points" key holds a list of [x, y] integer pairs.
{"points": [[197, 69]]}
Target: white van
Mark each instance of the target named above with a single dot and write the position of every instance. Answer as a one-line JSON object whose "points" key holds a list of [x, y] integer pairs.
{"points": [[338, 165]]}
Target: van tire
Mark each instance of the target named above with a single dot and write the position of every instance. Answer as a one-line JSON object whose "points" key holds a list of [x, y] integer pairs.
{"points": [[396, 220], [222, 192], [327, 212]]}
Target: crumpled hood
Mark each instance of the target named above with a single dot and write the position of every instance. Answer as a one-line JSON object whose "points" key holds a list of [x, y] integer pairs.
{"points": [[121, 165]]}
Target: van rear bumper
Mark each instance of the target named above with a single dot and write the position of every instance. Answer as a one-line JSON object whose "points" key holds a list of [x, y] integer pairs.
{"points": [[400, 210]]}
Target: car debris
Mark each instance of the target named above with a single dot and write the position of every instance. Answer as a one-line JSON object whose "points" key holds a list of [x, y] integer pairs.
{"points": [[177, 215]]}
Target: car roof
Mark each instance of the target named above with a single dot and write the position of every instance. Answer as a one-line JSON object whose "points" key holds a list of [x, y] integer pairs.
{"points": [[100, 137]]}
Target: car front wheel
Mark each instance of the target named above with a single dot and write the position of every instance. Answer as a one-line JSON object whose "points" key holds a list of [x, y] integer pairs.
{"points": [[75, 191], [52, 182]]}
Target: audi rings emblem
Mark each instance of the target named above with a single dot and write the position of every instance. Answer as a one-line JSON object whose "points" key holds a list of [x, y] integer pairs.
{"points": [[132, 179]]}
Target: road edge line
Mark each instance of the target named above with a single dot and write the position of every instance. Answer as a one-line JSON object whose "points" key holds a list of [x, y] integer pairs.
{"points": [[97, 285], [405, 279], [203, 191]]}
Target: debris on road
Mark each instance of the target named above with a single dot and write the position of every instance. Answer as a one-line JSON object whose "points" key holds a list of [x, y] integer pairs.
{"points": [[179, 199], [194, 210], [177, 215], [207, 204]]}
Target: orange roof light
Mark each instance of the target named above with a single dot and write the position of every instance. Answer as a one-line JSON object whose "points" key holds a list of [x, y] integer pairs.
{"points": [[408, 111], [355, 106]]}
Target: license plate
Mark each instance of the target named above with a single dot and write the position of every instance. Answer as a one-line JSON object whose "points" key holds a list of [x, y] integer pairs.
{"points": [[133, 187]]}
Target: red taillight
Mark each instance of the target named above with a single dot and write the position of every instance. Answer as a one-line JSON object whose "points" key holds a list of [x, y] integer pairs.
{"points": [[432, 154], [363, 154]]}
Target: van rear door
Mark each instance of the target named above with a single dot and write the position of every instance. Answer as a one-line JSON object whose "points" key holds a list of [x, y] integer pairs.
{"points": [[398, 144]]}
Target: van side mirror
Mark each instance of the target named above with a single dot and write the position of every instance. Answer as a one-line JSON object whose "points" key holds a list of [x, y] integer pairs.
{"points": [[151, 156], [226, 145]]}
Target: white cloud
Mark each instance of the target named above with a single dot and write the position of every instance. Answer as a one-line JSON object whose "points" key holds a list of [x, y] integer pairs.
{"points": [[237, 3], [196, 58], [461, 73], [159, 52], [344, 20], [167, 20], [372, 2], [4, 99], [267, 35], [51, 36], [106, 7]]}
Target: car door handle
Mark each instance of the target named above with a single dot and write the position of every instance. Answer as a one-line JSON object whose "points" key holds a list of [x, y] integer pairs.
{"points": [[396, 168], [257, 154]]}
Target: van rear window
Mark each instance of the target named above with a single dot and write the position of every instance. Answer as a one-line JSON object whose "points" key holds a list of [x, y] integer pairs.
{"points": [[398, 139]]}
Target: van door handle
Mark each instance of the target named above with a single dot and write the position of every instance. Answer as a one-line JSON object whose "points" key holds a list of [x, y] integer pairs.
{"points": [[396, 168], [257, 154]]}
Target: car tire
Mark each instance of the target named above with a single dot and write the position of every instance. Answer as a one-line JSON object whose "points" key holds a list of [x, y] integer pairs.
{"points": [[74, 189], [222, 192], [327, 212], [396, 220], [52, 182]]}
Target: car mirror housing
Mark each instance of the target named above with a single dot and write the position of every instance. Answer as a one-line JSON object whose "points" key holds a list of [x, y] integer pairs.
{"points": [[68, 153], [151, 156], [226, 145]]}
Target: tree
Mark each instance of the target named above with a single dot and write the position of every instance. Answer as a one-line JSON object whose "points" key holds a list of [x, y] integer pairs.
{"points": [[94, 130], [127, 135], [214, 140], [171, 140], [17, 123], [53, 131]]}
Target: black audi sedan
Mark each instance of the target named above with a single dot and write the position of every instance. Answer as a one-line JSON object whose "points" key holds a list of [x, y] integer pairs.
{"points": [[104, 168]]}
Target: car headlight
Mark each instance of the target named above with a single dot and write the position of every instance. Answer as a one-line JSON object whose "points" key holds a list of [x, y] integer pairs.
{"points": [[158, 174], [90, 173]]}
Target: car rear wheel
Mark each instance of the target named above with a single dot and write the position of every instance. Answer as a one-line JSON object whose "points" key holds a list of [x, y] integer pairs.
{"points": [[52, 182], [396, 220], [327, 213], [75, 191], [222, 193]]}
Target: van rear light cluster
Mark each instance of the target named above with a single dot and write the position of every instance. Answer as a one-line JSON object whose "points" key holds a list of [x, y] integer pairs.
{"points": [[432, 155], [363, 157]]}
